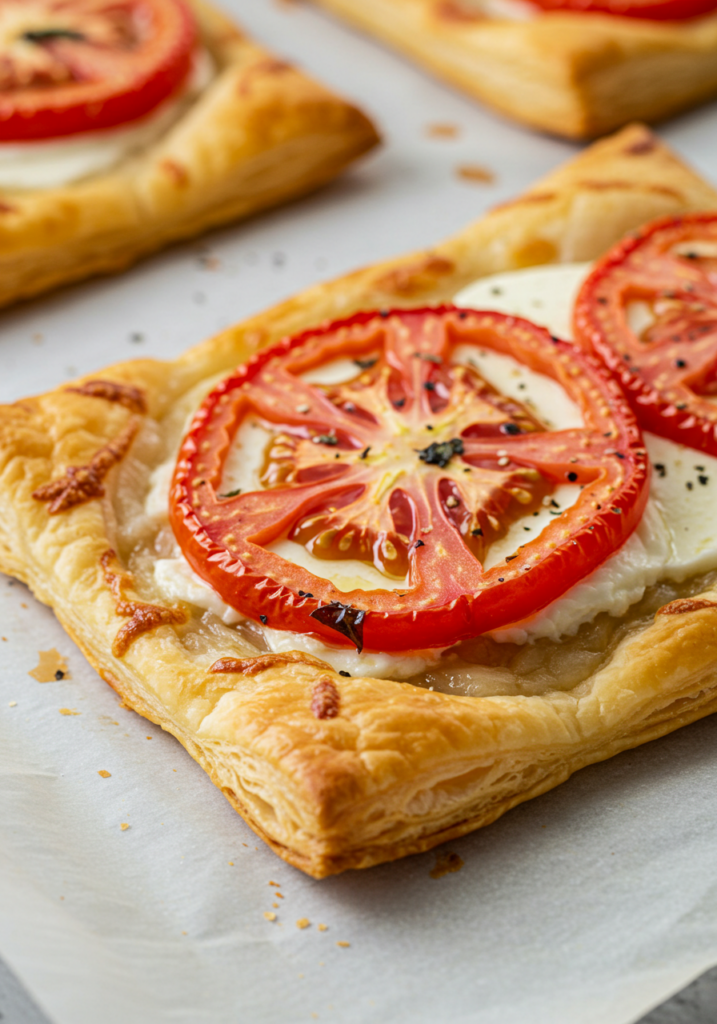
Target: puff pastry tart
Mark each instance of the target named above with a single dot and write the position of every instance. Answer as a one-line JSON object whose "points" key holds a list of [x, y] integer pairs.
{"points": [[129, 124], [391, 558], [578, 68]]}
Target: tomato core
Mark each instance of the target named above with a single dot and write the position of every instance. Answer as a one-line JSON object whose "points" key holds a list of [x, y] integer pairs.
{"points": [[71, 66], [649, 310], [413, 465]]}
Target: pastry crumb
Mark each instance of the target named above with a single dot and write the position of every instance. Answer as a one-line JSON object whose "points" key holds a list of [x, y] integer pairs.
{"points": [[124, 826], [303, 922], [279, 895], [51, 667], [323, 927], [12, 704], [275, 906], [69, 711], [344, 945], [476, 173], [446, 864], [442, 130], [270, 915], [104, 773], [277, 884]]}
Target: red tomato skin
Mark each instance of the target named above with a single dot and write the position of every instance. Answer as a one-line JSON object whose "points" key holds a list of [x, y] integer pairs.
{"points": [[44, 114], [656, 414], [463, 614], [646, 10]]}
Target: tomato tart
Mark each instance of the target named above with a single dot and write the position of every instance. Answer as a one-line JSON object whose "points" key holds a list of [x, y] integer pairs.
{"points": [[410, 548], [578, 68], [130, 124]]}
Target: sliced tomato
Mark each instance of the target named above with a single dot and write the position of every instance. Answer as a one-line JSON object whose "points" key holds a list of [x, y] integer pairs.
{"points": [[663, 281], [414, 465], [70, 66], [652, 10]]}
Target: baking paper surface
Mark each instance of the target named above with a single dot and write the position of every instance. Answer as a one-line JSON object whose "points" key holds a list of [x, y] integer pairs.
{"points": [[589, 905]]}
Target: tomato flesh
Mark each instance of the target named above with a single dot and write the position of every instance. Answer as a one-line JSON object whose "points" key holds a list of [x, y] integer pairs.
{"points": [[414, 466], [652, 10], [667, 365], [71, 66]]}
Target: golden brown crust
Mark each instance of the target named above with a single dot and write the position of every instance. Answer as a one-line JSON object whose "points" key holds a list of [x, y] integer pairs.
{"points": [[579, 75], [338, 772], [260, 134]]}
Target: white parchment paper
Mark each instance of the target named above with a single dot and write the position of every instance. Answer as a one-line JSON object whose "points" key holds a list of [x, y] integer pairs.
{"points": [[587, 906]]}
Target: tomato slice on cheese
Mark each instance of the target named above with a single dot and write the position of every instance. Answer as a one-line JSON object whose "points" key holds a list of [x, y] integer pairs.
{"points": [[69, 66], [649, 310], [654, 10], [415, 466]]}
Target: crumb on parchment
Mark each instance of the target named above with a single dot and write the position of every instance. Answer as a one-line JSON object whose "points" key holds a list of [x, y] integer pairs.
{"points": [[270, 915], [446, 864], [69, 711], [124, 826], [104, 773], [475, 173], [323, 927], [12, 704], [344, 945], [442, 130], [51, 667], [303, 922]]}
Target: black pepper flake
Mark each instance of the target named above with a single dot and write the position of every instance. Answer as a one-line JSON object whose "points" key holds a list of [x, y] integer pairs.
{"points": [[681, 405], [366, 364], [700, 469], [703, 479], [46, 35], [419, 544], [554, 338], [346, 675], [680, 364], [305, 593], [399, 403], [689, 485], [440, 454], [429, 386], [429, 426], [231, 494], [619, 455], [345, 619], [59, 675], [572, 477], [384, 313], [364, 453], [510, 428], [263, 619], [602, 300], [616, 510], [329, 439], [477, 532], [509, 558], [462, 316], [428, 357], [501, 579], [659, 469]]}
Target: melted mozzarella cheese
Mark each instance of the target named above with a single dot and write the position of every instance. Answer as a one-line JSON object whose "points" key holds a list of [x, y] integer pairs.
{"points": [[51, 163]]}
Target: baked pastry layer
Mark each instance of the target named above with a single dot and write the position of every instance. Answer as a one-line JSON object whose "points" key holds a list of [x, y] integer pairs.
{"points": [[579, 75], [340, 772], [261, 133]]}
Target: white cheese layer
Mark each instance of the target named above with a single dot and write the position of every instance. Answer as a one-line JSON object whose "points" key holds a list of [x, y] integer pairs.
{"points": [[51, 163], [677, 537]]}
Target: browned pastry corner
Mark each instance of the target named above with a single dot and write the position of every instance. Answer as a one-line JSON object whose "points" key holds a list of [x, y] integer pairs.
{"points": [[337, 772], [578, 75], [261, 133]]}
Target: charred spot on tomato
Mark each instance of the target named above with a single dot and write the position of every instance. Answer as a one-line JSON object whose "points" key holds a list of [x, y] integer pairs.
{"points": [[440, 453], [345, 619], [572, 476]]}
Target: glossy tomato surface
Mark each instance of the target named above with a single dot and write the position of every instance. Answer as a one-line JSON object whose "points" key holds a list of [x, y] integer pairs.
{"points": [[413, 465], [652, 10], [71, 66], [649, 310]]}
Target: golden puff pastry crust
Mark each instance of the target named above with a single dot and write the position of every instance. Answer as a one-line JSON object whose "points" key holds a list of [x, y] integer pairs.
{"points": [[259, 134], [337, 772], [578, 75]]}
